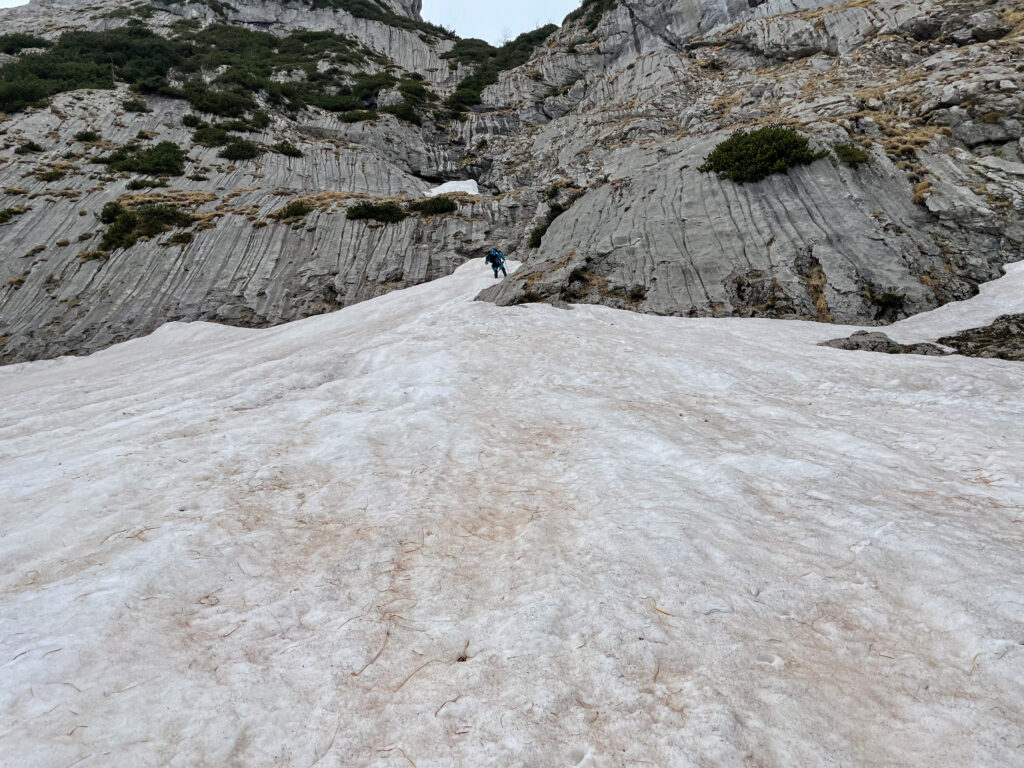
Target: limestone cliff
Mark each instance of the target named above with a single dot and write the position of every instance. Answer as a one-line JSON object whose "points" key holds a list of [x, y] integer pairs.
{"points": [[590, 149], [928, 96]]}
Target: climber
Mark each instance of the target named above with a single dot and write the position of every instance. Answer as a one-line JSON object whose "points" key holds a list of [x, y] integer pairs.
{"points": [[497, 261]]}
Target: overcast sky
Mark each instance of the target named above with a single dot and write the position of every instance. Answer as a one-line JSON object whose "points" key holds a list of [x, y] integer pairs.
{"points": [[472, 18], [493, 21]]}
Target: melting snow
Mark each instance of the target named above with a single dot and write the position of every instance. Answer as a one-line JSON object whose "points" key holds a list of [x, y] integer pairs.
{"points": [[425, 530], [1000, 297], [469, 187]]}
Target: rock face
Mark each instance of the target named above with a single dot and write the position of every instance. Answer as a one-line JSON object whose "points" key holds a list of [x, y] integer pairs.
{"points": [[247, 268], [598, 137], [934, 208]]}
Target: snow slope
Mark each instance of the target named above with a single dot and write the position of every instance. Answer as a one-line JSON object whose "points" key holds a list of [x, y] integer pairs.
{"points": [[428, 531]]}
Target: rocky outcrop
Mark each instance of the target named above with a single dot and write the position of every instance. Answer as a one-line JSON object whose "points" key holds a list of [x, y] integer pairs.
{"points": [[592, 149], [875, 341], [1003, 339]]}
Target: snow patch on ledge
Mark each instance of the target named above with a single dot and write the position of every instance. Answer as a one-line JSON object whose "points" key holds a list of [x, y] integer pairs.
{"points": [[453, 187]]}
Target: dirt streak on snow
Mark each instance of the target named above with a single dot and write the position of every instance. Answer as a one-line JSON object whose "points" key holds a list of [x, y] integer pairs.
{"points": [[427, 530]]}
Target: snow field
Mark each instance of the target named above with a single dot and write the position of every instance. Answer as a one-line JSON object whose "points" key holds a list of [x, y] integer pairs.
{"points": [[425, 530]]}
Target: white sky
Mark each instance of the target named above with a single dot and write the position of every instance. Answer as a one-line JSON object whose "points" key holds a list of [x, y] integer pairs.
{"points": [[471, 18]]}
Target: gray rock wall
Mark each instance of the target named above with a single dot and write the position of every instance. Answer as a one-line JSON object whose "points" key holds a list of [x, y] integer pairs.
{"points": [[935, 210], [612, 124]]}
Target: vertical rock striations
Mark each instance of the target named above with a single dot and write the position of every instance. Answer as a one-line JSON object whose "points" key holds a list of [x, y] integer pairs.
{"points": [[588, 145]]}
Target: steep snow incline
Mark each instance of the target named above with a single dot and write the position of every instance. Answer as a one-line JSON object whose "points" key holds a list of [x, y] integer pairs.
{"points": [[429, 531]]}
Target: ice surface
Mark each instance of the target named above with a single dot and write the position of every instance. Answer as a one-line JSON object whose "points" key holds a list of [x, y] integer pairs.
{"points": [[425, 530], [469, 187]]}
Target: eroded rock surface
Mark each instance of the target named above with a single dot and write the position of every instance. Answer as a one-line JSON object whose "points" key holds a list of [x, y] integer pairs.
{"points": [[934, 210], [609, 120]]}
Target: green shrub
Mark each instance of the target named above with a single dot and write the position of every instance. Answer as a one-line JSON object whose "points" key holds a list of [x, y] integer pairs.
{"points": [[471, 51], [404, 111], [16, 43], [433, 206], [155, 85], [165, 159], [81, 59], [378, 11], [249, 59], [179, 238], [749, 157], [246, 62], [851, 155], [415, 97], [6, 214], [87, 137], [591, 11], [202, 98], [237, 125], [131, 12], [110, 212], [296, 209], [389, 213], [240, 149], [554, 211], [885, 300], [127, 225], [54, 174], [891, 300], [259, 120], [136, 105], [27, 148], [212, 136], [490, 62], [193, 121], [287, 149]]}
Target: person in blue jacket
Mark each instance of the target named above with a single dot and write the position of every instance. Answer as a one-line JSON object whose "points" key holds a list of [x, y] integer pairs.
{"points": [[497, 261]]}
